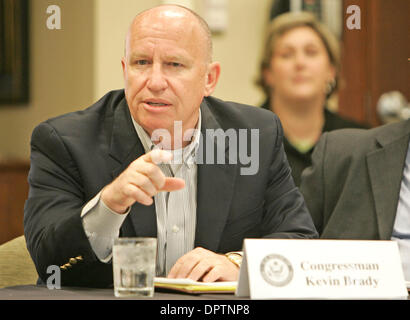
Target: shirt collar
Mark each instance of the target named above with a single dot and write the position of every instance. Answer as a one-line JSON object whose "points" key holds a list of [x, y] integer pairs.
{"points": [[188, 153]]}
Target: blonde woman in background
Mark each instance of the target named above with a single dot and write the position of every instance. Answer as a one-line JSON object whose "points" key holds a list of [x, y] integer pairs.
{"points": [[299, 72]]}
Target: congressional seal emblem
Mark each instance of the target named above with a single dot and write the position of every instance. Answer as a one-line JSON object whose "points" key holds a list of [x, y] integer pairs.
{"points": [[276, 270]]}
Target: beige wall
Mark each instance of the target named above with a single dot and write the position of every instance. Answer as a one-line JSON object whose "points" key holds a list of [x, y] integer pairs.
{"points": [[61, 73], [73, 67]]}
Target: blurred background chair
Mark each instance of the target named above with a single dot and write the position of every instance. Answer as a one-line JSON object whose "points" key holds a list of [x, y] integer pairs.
{"points": [[16, 266]]}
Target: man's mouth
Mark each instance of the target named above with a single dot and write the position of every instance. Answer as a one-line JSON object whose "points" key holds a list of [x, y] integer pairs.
{"points": [[157, 104]]}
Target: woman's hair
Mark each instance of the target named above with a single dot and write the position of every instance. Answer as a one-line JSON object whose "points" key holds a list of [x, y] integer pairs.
{"points": [[288, 21]]}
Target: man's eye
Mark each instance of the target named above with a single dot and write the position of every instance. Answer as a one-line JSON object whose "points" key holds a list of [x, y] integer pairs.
{"points": [[142, 62], [175, 64]]}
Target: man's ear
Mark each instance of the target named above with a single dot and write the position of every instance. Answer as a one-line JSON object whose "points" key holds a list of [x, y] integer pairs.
{"points": [[123, 64], [214, 70]]}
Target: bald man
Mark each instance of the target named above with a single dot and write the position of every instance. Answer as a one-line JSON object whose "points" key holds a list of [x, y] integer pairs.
{"points": [[144, 162]]}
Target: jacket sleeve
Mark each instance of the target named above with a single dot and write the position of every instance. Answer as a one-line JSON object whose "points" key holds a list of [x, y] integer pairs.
{"points": [[52, 215], [287, 213], [312, 185]]}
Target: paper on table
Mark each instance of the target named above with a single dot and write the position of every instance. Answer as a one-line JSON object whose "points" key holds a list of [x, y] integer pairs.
{"points": [[190, 286]]}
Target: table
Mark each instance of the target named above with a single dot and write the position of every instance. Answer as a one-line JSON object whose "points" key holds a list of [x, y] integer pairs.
{"points": [[41, 292], [37, 292]]}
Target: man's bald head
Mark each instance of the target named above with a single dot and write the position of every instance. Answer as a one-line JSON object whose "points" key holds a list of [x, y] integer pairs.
{"points": [[167, 68], [173, 11]]}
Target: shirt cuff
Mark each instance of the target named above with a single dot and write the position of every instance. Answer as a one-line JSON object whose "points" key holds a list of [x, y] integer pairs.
{"points": [[102, 226]]}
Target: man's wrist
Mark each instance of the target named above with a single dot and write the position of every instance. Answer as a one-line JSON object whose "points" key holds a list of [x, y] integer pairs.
{"points": [[114, 208], [119, 211]]}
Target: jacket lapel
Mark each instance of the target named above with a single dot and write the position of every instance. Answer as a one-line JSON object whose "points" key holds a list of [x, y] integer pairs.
{"points": [[126, 147], [214, 188], [385, 167]]}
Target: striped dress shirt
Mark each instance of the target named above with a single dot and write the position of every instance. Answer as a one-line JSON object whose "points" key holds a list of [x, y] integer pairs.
{"points": [[176, 211]]}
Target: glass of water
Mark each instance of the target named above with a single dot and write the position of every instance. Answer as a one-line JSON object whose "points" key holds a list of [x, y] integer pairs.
{"points": [[134, 266]]}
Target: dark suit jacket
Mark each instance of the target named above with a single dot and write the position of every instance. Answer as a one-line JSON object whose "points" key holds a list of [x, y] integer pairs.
{"points": [[352, 188], [75, 155]]}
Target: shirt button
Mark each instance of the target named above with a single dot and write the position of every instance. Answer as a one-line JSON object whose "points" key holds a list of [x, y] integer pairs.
{"points": [[175, 229]]}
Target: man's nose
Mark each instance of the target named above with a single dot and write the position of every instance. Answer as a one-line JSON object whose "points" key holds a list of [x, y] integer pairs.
{"points": [[156, 79]]}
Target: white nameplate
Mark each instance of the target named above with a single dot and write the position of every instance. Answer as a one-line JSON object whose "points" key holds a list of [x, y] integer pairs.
{"points": [[321, 269]]}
